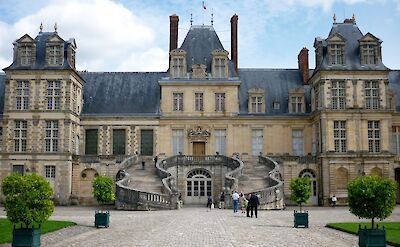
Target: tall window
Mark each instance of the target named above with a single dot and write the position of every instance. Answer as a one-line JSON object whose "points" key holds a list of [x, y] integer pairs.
{"points": [[220, 102], [178, 67], [20, 169], [368, 54], [374, 137], [339, 136], [146, 142], [178, 101], [118, 141], [91, 141], [74, 97], [317, 96], [257, 141], [396, 139], [371, 95], [51, 138], [297, 142], [256, 104], [22, 97], [50, 172], [26, 54], [220, 141], [177, 141], [20, 135], [220, 67], [198, 101], [338, 93], [297, 103], [53, 95], [54, 55], [337, 54]]}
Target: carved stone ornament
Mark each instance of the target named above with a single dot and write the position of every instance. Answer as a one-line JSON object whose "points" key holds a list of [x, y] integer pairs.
{"points": [[198, 134]]}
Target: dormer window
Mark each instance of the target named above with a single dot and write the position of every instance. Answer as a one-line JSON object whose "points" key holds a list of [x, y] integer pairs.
{"points": [[178, 63], [256, 100], [336, 54], [26, 54], [296, 100], [54, 54], [370, 49], [368, 54], [220, 64]]}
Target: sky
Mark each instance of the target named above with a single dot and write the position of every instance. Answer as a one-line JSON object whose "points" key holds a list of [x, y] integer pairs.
{"points": [[133, 35]]}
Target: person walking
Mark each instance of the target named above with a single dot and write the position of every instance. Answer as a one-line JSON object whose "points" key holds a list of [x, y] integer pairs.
{"points": [[235, 198], [254, 202], [155, 159], [240, 201], [334, 200], [209, 203], [222, 200], [248, 205]]}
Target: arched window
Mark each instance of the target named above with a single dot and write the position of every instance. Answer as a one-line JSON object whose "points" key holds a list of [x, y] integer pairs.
{"points": [[314, 189], [198, 186]]}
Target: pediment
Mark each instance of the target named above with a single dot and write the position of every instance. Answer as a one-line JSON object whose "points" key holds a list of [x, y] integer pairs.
{"points": [[336, 37], [25, 39], [55, 39], [369, 38], [72, 42]]}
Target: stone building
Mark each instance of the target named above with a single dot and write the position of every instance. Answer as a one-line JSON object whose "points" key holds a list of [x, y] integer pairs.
{"points": [[332, 123]]}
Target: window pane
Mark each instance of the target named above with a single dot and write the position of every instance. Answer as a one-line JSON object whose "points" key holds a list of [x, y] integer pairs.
{"points": [[146, 142], [119, 141], [91, 142]]}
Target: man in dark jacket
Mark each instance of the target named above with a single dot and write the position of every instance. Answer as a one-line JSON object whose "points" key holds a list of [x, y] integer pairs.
{"points": [[253, 204]]}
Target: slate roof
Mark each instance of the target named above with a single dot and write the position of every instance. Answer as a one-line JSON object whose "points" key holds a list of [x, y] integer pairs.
{"points": [[351, 33], [40, 62], [121, 93], [199, 42], [276, 84]]}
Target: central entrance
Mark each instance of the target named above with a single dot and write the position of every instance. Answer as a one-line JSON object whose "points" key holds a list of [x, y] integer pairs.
{"points": [[199, 148], [198, 186]]}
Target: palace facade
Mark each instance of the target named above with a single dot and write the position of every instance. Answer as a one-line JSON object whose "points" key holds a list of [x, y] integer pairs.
{"points": [[331, 123]]}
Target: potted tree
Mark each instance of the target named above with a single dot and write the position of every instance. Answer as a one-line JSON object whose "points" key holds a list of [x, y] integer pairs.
{"points": [[301, 192], [372, 197], [104, 193], [28, 204]]}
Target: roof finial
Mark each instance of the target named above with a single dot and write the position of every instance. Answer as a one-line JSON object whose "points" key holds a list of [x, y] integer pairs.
{"points": [[41, 27], [212, 17], [55, 27], [334, 17], [191, 19], [354, 17]]}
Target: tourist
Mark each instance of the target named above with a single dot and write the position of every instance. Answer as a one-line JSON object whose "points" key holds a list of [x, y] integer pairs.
{"points": [[253, 203], [248, 206], [155, 159], [235, 198], [143, 164], [209, 202], [243, 203], [222, 200], [334, 200]]}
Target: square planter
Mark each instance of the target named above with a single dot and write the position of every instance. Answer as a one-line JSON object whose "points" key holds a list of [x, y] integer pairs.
{"points": [[102, 219], [371, 237], [300, 219], [26, 237]]}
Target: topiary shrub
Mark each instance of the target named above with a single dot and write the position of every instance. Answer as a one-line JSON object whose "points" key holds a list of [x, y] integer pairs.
{"points": [[372, 197], [27, 199], [301, 190], [103, 189]]}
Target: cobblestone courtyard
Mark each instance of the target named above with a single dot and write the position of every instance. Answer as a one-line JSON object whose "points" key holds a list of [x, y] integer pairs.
{"points": [[197, 227]]}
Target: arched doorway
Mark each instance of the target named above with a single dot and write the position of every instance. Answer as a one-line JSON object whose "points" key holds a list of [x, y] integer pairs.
{"points": [[86, 180], [397, 178], [314, 189], [198, 186]]}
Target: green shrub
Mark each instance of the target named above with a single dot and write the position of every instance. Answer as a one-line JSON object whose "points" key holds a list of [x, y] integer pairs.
{"points": [[301, 190], [27, 199], [372, 197], [103, 189]]}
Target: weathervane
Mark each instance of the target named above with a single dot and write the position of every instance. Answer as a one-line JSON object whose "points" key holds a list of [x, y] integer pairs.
{"points": [[41, 27], [55, 27], [191, 19], [334, 17], [212, 17]]}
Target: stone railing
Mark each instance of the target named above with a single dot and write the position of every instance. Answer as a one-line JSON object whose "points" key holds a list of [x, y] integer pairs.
{"points": [[271, 197], [132, 199]]}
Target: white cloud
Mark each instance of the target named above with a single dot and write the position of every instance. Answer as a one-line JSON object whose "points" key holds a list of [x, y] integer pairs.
{"points": [[108, 36]]}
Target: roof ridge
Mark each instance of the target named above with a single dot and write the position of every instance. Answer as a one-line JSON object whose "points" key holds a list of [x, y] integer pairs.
{"points": [[268, 69]]}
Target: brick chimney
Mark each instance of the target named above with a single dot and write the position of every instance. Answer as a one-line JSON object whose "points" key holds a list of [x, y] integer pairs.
{"points": [[303, 65], [173, 32], [234, 50]]}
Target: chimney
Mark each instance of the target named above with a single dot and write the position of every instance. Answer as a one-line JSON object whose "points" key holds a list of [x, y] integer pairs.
{"points": [[234, 51], [173, 32], [303, 65]]}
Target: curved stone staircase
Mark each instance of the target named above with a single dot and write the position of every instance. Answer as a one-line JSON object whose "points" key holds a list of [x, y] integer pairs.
{"points": [[154, 187]]}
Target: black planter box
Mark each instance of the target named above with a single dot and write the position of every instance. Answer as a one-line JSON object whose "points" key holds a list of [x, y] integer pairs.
{"points": [[102, 219], [300, 219], [371, 237], [26, 237]]}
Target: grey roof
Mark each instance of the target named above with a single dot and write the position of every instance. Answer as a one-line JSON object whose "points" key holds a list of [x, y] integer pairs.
{"points": [[121, 93], [276, 83], [394, 84], [40, 61], [351, 33], [2, 84], [199, 42]]}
